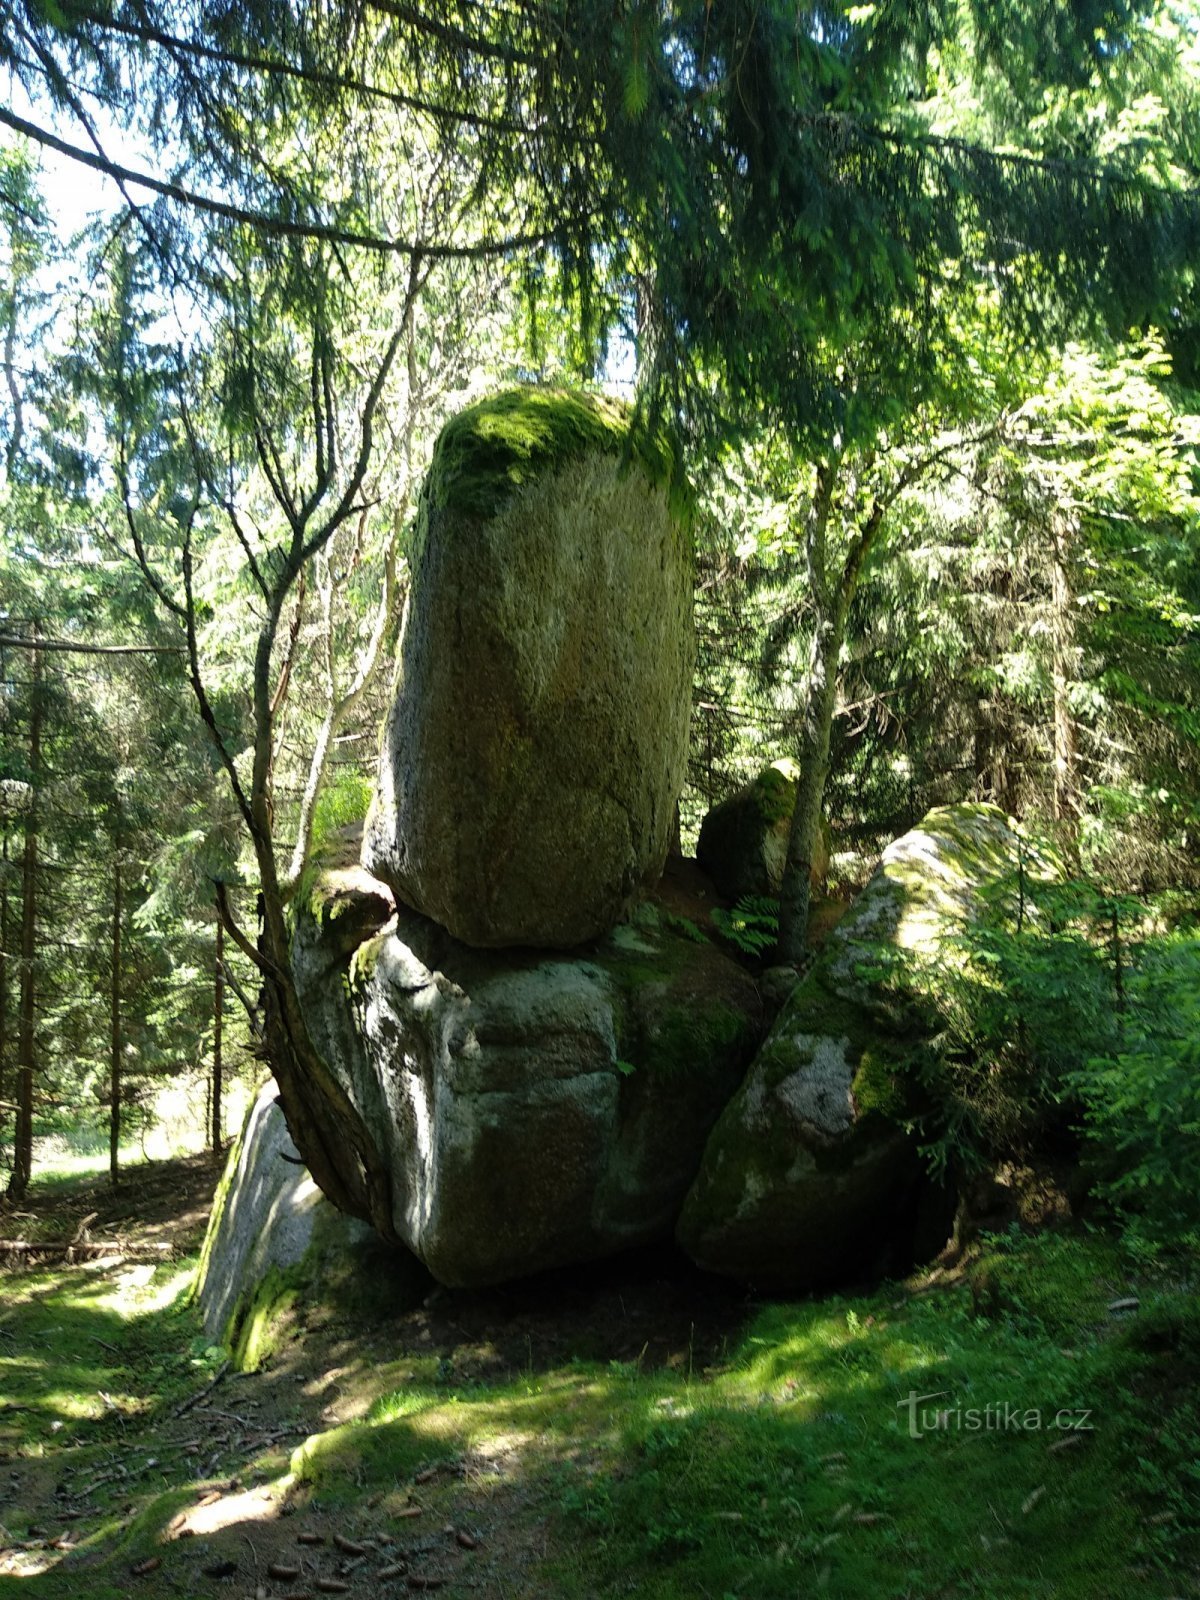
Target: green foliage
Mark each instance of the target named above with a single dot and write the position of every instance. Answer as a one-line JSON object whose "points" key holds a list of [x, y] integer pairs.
{"points": [[684, 926], [343, 802], [752, 926], [1061, 1005], [1141, 1096]]}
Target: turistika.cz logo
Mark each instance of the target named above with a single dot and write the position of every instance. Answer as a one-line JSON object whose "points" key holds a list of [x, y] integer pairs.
{"points": [[999, 1416]]}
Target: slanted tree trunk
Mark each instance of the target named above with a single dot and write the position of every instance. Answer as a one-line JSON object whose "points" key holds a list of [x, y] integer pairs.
{"points": [[114, 1068], [218, 1030], [22, 1167]]}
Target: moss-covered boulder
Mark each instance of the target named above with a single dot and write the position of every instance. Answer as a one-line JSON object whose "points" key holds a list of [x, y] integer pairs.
{"points": [[744, 838], [537, 742], [809, 1174], [271, 1233], [536, 1108]]}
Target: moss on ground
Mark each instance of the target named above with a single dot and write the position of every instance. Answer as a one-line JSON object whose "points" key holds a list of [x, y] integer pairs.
{"points": [[861, 1445], [850, 1445]]}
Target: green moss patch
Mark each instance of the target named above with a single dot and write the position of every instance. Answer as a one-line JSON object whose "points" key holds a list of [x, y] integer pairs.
{"points": [[498, 446], [256, 1329]]}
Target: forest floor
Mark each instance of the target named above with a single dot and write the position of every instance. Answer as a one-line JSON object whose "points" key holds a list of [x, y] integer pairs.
{"points": [[631, 1429]]}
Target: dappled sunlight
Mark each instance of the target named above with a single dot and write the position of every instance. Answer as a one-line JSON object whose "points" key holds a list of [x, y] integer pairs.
{"points": [[219, 1511]]}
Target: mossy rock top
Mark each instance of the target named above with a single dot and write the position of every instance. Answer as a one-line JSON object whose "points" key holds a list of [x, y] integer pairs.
{"points": [[498, 446], [537, 743], [744, 838]]}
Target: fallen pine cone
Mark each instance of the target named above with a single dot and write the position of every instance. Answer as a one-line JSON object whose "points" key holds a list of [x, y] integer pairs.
{"points": [[141, 1569], [348, 1546], [467, 1540], [310, 1538], [278, 1570]]}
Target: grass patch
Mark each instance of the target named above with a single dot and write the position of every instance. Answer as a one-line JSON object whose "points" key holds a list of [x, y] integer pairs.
{"points": [[1050, 1454], [1039, 1461]]}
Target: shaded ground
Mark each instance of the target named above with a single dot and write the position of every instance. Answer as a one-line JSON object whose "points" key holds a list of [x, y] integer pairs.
{"points": [[629, 1429], [110, 1398], [157, 1204]]}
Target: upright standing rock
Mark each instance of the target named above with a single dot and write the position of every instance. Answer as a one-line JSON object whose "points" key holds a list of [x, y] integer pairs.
{"points": [[537, 742]]}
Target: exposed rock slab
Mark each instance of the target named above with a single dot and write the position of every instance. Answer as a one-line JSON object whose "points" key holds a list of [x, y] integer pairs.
{"points": [[808, 1171], [537, 743], [537, 1109], [273, 1238], [264, 1218]]}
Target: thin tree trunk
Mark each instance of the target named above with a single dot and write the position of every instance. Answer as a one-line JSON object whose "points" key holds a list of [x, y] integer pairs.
{"points": [[796, 888], [13, 452], [4, 933], [1066, 773], [26, 1011], [114, 1076], [340, 709], [218, 1028], [832, 603]]}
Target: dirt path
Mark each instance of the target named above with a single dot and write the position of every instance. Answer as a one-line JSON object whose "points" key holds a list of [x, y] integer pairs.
{"points": [[132, 1460]]}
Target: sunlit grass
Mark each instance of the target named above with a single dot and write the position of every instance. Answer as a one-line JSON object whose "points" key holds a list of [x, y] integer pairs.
{"points": [[792, 1469], [795, 1469]]}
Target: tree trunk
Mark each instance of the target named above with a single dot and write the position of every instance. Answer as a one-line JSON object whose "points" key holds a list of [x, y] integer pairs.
{"points": [[328, 1130], [1066, 774], [218, 1028], [114, 1073], [813, 753], [4, 935], [26, 1010]]}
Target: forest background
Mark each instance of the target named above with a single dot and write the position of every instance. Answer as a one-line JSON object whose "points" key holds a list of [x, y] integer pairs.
{"points": [[912, 286]]}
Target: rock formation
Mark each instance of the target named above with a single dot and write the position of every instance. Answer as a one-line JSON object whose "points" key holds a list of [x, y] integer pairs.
{"points": [[537, 742], [538, 1109], [744, 838], [808, 1170], [555, 1068], [271, 1230]]}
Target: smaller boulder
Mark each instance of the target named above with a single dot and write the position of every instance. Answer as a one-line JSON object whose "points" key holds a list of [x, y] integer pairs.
{"points": [[271, 1232], [809, 1176], [744, 839]]}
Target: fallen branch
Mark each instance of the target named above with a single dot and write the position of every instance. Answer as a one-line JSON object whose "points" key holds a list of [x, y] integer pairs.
{"points": [[200, 1394], [89, 1250]]}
